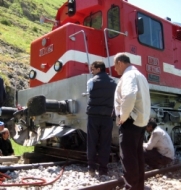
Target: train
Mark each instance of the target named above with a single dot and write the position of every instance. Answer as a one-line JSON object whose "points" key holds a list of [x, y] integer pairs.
{"points": [[52, 111]]}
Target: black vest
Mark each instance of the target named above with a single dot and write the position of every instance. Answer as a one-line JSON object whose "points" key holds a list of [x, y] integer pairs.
{"points": [[101, 97]]}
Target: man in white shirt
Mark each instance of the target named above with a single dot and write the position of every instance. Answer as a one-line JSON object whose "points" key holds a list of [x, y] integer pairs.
{"points": [[132, 108], [159, 150]]}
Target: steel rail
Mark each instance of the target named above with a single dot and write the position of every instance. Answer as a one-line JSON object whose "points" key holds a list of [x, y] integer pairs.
{"points": [[109, 185], [151, 173], [114, 183], [103, 186], [33, 166]]}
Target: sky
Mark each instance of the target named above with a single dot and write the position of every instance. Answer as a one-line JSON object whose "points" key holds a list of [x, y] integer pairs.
{"points": [[161, 8]]}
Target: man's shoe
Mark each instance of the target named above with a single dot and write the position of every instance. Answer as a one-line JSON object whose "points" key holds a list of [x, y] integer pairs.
{"points": [[91, 172]]}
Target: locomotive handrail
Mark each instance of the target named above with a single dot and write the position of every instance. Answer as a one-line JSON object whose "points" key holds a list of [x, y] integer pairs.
{"points": [[107, 50], [85, 43]]}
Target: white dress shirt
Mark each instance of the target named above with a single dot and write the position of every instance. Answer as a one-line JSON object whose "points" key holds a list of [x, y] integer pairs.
{"points": [[90, 85], [132, 97], [161, 140]]}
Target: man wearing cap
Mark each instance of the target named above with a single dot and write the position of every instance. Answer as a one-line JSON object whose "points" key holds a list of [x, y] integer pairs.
{"points": [[5, 143]]}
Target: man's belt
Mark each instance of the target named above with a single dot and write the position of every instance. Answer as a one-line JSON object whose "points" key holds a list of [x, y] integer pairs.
{"points": [[128, 117]]}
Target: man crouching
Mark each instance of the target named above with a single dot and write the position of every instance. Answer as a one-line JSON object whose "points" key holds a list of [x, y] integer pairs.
{"points": [[159, 150]]}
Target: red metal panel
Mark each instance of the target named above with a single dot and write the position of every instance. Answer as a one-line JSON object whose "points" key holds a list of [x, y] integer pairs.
{"points": [[60, 45], [161, 67], [86, 4]]}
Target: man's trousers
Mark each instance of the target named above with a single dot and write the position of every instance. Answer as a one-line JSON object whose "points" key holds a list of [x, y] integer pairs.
{"points": [[154, 159], [131, 154], [99, 135]]}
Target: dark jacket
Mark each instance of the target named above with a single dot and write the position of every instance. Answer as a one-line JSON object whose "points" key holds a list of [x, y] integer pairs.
{"points": [[6, 147], [101, 97], [2, 92]]}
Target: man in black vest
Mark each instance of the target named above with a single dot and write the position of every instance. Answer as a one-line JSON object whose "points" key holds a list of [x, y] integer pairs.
{"points": [[100, 123]]}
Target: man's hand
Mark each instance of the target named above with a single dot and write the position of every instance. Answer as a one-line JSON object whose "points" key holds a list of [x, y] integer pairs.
{"points": [[118, 121], [121, 122], [144, 145]]}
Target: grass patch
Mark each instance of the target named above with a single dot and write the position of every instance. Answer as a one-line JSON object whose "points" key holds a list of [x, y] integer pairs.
{"points": [[5, 78], [35, 29], [6, 22], [19, 150], [19, 23]]}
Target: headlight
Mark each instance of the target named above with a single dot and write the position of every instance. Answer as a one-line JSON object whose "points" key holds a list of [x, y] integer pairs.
{"points": [[32, 74], [58, 66], [44, 41]]}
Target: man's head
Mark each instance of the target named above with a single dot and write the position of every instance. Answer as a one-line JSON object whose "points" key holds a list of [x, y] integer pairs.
{"points": [[121, 62], [5, 133], [151, 125], [97, 67]]}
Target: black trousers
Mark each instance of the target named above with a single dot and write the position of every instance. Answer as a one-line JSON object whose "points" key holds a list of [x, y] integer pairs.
{"points": [[131, 153], [99, 135], [154, 159]]}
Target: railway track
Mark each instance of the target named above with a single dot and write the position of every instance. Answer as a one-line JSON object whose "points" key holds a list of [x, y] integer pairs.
{"points": [[64, 167]]}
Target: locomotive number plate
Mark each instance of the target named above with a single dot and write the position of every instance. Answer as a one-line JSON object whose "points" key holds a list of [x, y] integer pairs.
{"points": [[46, 50]]}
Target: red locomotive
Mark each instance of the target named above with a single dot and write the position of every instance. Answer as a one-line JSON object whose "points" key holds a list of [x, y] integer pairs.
{"points": [[89, 30]]}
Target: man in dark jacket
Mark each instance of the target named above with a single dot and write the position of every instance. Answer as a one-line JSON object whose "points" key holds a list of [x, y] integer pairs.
{"points": [[5, 144], [99, 109], [2, 93]]}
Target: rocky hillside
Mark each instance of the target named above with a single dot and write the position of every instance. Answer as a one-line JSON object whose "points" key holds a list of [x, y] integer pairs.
{"points": [[19, 26]]}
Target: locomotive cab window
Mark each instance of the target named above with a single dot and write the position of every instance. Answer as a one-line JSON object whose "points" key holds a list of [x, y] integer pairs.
{"points": [[113, 21], [94, 20], [152, 32]]}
